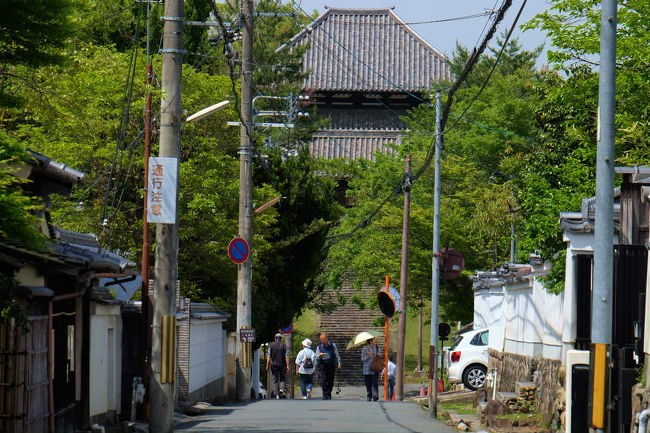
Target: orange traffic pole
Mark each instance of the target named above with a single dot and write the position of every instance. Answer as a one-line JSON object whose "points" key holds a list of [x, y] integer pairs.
{"points": [[386, 352]]}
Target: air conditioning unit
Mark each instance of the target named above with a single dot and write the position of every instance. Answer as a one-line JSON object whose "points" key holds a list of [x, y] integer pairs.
{"points": [[577, 391]]}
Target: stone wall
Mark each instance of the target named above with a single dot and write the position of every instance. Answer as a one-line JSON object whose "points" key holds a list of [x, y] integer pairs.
{"points": [[544, 373]]}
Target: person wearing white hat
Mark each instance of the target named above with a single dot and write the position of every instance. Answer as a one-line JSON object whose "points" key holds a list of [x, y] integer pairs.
{"points": [[305, 366]]}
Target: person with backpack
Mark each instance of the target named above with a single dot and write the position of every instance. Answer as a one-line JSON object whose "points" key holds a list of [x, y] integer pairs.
{"points": [[305, 366], [278, 360], [328, 359]]}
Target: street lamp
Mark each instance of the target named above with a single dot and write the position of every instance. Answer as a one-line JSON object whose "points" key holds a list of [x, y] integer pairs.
{"points": [[207, 111]]}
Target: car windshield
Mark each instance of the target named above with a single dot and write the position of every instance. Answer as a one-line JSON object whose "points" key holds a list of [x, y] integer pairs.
{"points": [[456, 342]]}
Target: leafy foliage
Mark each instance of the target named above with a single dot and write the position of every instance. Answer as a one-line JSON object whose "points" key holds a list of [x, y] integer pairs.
{"points": [[18, 222], [10, 307]]}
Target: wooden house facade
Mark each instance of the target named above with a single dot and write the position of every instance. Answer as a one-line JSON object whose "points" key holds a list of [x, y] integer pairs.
{"points": [[60, 373]]}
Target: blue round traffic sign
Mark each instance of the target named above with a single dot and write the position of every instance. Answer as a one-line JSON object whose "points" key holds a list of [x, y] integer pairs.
{"points": [[287, 329], [238, 250]]}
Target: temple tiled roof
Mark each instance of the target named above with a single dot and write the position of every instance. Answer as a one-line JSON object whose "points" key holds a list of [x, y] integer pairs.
{"points": [[367, 50]]}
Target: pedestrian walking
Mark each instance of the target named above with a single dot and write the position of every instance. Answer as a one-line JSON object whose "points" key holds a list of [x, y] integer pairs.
{"points": [[329, 360], [391, 378], [305, 366], [278, 360], [370, 350]]}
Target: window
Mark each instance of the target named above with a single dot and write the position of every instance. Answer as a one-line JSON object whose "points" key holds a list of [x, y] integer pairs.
{"points": [[456, 342], [480, 339]]}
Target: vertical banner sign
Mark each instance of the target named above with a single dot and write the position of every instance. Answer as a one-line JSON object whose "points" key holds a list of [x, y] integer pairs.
{"points": [[162, 186], [168, 349]]}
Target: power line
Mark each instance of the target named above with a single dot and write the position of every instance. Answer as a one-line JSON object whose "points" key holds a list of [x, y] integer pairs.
{"points": [[128, 93], [432, 21], [354, 56], [494, 66], [469, 65]]}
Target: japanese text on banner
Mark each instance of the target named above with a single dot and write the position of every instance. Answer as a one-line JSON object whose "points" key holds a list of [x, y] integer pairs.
{"points": [[162, 185]]}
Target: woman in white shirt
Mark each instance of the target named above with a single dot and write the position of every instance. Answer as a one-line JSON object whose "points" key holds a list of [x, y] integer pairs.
{"points": [[305, 365]]}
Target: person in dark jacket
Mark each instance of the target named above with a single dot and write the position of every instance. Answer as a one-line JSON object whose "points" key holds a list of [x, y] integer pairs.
{"points": [[278, 360], [329, 360]]}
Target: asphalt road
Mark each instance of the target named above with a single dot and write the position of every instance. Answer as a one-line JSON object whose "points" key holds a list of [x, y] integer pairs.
{"points": [[314, 416]]}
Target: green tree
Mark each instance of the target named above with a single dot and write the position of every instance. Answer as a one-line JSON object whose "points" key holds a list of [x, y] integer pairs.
{"points": [[18, 222], [561, 169], [477, 200]]}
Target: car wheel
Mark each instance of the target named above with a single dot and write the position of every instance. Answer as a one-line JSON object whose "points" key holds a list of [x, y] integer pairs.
{"points": [[474, 376]]}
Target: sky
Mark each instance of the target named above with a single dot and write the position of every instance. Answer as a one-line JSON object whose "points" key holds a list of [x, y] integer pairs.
{"points": [[443, 36]]}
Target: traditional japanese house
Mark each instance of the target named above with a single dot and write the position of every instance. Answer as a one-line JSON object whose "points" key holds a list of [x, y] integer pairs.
{"points": [[366, 68], [60, 372]]}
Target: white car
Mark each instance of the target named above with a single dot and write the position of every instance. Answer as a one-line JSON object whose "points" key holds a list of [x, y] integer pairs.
{"points": [[467, 359]]}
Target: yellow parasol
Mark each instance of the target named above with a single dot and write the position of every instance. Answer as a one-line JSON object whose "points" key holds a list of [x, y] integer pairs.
{"points": [[361, 338]]}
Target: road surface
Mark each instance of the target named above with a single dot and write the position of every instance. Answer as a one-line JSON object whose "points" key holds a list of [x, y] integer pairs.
{"points": [[314, 416]]}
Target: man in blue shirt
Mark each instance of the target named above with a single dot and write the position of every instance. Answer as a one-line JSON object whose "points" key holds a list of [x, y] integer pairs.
{"points": [[329, 359]]}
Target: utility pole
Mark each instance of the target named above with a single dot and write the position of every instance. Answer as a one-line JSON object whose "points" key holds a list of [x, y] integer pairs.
{"points": [[145, 301], [601, 324], [403, 282], [245, 272], [435, 268], [166, 266]]}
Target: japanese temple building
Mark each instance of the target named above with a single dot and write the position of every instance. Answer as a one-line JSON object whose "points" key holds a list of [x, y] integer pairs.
{"points": [[366, 68]]}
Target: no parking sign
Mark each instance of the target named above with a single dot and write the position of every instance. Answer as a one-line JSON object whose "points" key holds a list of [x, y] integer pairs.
{"points": [[238, 250]]}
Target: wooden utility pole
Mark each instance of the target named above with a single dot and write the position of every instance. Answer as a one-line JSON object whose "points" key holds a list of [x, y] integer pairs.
{"points": [[166, 266], [245, 272], [145, 305], [403, 282], [435, 267]]}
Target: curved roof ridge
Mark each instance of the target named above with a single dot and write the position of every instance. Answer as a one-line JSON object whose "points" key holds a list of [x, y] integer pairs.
{"points": [[360, 10]]}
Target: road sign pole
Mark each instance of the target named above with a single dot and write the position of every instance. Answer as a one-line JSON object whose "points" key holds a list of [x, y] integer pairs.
{"points": [[245, 272]]}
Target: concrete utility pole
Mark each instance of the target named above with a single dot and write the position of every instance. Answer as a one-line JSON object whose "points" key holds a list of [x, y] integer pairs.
{"points": [[601, 324], [245, 272], [166, 266], [435, 269], [403, 283]]}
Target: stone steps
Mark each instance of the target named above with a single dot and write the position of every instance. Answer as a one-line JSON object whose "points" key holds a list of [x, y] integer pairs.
{"points": [[344, 323]]}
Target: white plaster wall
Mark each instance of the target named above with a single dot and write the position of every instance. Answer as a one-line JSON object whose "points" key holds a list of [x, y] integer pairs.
{"points": [[105, 391], [488, 313], [533, 320], [207, 353]]}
